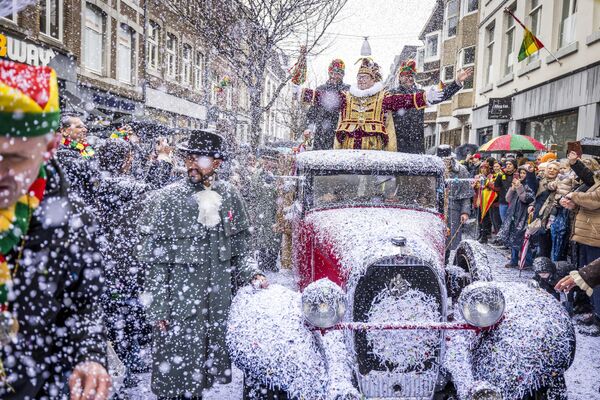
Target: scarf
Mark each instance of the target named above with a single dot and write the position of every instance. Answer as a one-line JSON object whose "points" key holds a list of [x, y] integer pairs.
{"points": [[85, 150], [14, 224]]}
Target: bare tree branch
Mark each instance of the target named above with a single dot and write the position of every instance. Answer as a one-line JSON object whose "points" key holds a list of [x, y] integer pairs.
{"points": [[249, 35]]}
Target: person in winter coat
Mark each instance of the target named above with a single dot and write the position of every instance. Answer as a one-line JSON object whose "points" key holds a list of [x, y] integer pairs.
{"points": [[586, 231], [76, 158], [195, 237], [587, 279], [503, 184], [117, 203], [409, 124], [545, 201], [323, 118], [51, 328], [263, 211], [483, 187], [458, 197], [512, 233]]}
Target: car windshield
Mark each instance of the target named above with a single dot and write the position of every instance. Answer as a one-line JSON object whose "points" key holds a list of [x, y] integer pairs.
{"points": [[393, 190]]}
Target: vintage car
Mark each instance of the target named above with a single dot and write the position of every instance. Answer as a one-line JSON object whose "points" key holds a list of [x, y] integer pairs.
{"points": [[377, 313]]}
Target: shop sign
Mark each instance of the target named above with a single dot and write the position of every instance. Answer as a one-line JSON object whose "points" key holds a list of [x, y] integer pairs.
{"points": [[500, 108], [24, 52]]}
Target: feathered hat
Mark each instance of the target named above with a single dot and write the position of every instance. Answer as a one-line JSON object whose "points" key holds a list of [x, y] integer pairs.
{"points": [[370, 67], [337, 66], [28, 100], [408, 67]]}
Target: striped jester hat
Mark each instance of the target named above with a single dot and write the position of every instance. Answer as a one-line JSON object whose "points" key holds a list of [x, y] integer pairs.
{"points": [[29, 103]]}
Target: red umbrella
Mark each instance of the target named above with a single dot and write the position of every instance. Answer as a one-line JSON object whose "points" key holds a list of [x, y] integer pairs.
{"points": [[506, 143]]}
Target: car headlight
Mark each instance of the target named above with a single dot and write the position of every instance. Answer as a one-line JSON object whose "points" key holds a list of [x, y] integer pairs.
{"points": [[481, 304], [487, 394], [323, 303]]}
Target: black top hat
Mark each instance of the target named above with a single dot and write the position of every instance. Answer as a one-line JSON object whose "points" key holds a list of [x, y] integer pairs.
{"points": [[204, 143], [444, 151]]}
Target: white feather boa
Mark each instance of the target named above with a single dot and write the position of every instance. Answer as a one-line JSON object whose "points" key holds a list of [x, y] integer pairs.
{"points": [[209, 205]]}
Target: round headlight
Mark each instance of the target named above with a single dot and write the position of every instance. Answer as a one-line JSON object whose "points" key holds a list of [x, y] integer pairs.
{"points": [[323, 303], [481, 304], [487, 394]]}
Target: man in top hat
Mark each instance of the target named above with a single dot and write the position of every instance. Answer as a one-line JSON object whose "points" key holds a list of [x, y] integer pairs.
{"points": [[322, 118], [195, 235], [50, 271], [458, 196], [409, 124], [365, 120]]}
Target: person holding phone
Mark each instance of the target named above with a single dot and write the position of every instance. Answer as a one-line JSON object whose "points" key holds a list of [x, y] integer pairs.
{"points": [[512, 233]]}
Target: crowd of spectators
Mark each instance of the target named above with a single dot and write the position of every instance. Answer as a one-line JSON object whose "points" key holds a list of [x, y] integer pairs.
{"points": [[546, 212]]}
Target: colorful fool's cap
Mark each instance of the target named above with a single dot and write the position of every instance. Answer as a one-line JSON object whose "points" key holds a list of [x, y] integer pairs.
{"points": [[29, 103]]}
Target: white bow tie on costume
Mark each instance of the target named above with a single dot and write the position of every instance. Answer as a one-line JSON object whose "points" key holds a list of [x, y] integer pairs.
{"points": [[209, 205]]}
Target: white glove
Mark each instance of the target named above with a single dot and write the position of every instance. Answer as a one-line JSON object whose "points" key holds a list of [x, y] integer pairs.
{"points": [[433, 95]]}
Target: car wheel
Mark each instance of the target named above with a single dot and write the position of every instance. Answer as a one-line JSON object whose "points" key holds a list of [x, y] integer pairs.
{"points": [[470, 264], [256, 391]]}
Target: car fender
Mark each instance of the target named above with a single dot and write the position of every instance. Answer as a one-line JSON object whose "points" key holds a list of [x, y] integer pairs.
{"points": [[532, 345], [268, 340]]}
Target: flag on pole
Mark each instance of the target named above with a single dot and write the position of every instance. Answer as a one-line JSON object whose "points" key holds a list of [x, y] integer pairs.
{"points": [[530, 45]]}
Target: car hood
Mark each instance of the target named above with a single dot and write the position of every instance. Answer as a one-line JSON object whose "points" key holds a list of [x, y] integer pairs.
{"points": [[361, 236]]}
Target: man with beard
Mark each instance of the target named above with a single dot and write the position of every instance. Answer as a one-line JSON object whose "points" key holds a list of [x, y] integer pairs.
{"points": [[409, 124], [195, 235], [323, 118], [50, 273]]}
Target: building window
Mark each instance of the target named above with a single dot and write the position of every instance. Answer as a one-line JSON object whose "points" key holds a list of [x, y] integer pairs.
{"points": [[187, 65], [432, 47], [451, 18], [171, 56], [448, 73], [535, 16], [93, 44], [554, 131], [125, 54], [420, 59], [13, 15], [153, 40], [466, 58], [489, 56], [229, 97], [484, 135], [469, 6], [51, 15], [509, 42], [198, 67], [567, 22]]}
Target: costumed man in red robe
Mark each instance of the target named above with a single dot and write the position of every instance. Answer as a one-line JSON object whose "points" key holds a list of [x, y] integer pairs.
{"points": [[366, 120]]}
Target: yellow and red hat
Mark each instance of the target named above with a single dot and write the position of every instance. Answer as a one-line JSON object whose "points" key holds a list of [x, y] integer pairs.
{"points": [[29, 103], [408, 67], [337, 65]]}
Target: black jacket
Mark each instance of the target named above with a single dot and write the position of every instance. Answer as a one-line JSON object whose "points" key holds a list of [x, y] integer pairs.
{"points": [[80, 173], [501, 185], [57, 286], [322, 120], [410, 124]]}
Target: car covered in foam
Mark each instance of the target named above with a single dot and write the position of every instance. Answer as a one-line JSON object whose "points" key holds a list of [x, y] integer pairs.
{"points": [[378, 313]]}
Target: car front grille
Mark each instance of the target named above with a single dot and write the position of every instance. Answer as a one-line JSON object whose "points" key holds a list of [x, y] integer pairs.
{"points": [[414, 376], [396, 386]]}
